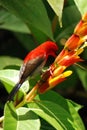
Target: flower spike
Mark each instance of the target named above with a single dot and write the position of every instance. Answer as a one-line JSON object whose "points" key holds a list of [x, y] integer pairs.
{"points": [[57, 72]]}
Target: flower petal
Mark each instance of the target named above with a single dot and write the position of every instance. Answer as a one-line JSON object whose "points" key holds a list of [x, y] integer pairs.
{"points": [[72, 42]]}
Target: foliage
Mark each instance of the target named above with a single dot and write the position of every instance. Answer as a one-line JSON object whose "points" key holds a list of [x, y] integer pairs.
{"points": [[33, 22]]}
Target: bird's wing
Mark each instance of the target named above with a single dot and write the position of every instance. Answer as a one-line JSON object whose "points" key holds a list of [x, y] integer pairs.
{"points": [[32, 67]]}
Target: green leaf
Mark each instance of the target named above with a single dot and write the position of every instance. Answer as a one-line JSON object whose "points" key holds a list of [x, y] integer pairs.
{"points": [[20, 119], [75, 105], [10, 77], [28, 119], [81, 5], [57, 6], [69, 19], [45, 125], [11, 22], [53, 114], [68, 106], [78, 124], [53, 97], [10, 117], [82, 75], [7, 60], [32, 12], [56, 98], [51, 111], [39, 35], [69, 22], [26, 41]]}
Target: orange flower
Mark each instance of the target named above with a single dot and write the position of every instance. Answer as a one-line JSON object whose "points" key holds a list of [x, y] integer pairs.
{"points": [[57, 69], [61, 55], [81, 28], [69, 60], [72, 42], [52, 81], [84, 18], [79, 36], [58, 79], [56, 73]]}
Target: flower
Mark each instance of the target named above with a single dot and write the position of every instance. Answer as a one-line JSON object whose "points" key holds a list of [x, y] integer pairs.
{"points": [[57, 72], [72, 42], [84, 17], [52, 81], [74, 46], [81, 29], [68, 58]]}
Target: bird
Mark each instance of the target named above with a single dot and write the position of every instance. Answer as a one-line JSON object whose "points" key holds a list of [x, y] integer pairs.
{"points": [[33, 64]]}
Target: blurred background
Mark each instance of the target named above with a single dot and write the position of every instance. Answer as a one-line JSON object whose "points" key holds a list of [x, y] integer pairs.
{"points": [[18, 36]]}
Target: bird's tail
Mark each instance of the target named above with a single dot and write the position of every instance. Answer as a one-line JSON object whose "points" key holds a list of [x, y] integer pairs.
{"points": [[14, 91]]}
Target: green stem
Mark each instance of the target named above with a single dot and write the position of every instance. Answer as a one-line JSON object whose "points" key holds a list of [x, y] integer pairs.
{"points": [[80, 66], [22, 103], [29, 97]]}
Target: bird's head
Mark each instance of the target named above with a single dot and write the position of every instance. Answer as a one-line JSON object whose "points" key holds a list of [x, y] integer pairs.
{"points": [[46, 49], [51, 48]]}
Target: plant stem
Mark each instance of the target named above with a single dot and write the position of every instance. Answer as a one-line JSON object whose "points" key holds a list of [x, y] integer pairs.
{"points": [[29, 97]]}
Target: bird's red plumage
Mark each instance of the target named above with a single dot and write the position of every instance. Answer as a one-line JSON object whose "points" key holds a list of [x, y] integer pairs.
{"points": [[45, 49], [33, 63]]}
